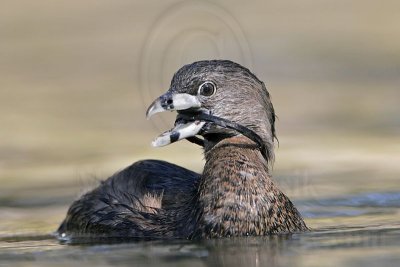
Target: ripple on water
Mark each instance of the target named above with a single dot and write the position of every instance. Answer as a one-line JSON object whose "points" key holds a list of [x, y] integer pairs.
{"points": [[351, 205]]}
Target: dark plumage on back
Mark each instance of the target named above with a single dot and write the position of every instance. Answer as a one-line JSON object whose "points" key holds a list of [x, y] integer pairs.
{"points": [[234, 196]]}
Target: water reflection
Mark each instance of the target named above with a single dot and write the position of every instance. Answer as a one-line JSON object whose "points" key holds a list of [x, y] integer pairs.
{"points": [[248, 251], [279, 250]]}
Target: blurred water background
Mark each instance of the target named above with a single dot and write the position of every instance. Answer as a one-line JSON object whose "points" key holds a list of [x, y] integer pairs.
{"points": [[77, 77]]}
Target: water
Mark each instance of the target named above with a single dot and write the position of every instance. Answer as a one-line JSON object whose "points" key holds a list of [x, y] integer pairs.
{"points": [[355, 246], [358, 230]]}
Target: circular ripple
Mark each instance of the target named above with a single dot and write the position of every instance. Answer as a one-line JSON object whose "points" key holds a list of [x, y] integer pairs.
{"points": [[184, 33]]}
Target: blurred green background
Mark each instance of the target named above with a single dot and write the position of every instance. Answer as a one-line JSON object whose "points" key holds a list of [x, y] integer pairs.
{"points": [[77, 77]]}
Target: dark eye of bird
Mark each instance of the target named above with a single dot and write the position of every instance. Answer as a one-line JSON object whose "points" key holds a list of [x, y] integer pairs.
{"points": [[207, 89]]}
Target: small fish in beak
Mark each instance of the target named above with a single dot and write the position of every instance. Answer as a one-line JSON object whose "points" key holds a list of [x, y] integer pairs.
{"points": [[182, 129], [179, 132]]}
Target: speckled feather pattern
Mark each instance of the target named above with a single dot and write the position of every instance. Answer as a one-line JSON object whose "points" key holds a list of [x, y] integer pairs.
{"points": [[237, 196], [234, 196]]}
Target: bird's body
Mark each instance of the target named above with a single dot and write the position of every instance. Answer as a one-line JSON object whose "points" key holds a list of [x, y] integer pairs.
{"points": [[237, 197], [234, 196]]}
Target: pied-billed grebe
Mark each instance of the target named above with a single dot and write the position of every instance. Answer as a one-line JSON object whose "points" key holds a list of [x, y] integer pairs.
{"points": [[234, 196]]}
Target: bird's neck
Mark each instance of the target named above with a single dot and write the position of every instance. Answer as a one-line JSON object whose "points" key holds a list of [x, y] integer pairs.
{"points": [[236, 192]]}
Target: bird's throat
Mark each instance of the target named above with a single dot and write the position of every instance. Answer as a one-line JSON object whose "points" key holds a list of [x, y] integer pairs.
{"points": [[235, 191]]}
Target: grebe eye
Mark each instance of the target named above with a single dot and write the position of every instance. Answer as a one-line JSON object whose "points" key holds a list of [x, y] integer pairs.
{"points": [[207, 89]]}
